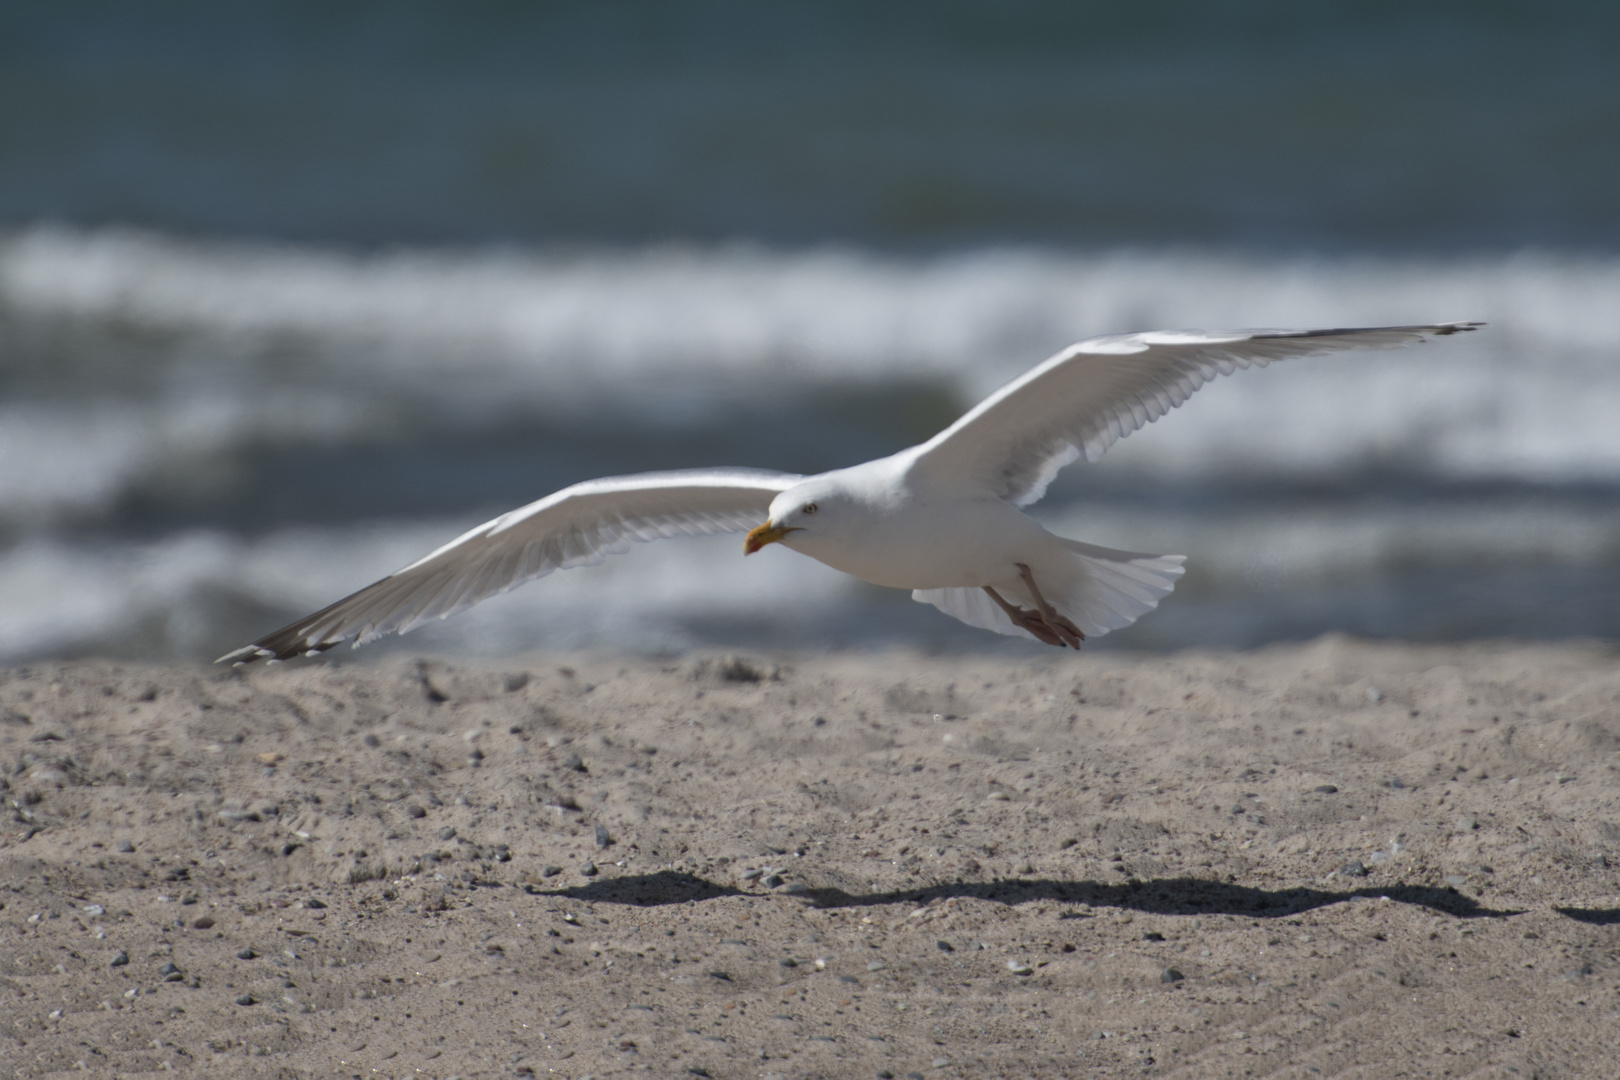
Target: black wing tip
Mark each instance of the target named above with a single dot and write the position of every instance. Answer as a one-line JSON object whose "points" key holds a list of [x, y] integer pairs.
{"points": [[274, 648], [293, 640], [1434, 329]]}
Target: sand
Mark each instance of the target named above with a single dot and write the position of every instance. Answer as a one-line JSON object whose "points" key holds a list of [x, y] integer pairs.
{"points": [[1337, 859]]}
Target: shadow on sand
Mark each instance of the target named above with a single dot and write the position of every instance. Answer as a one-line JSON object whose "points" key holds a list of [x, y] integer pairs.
{"points": [[1595, 916], [1162, 896], [643, 890]]}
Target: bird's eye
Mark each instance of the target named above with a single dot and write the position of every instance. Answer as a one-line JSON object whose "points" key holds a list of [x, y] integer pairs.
{"points": [[810, 508]]}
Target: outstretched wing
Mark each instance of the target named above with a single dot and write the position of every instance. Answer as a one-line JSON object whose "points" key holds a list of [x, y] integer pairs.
{"points": [[577, 526], [1096, 392]]}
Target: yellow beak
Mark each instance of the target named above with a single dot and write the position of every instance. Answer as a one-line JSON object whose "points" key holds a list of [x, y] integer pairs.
{"points": [[765, 534]]}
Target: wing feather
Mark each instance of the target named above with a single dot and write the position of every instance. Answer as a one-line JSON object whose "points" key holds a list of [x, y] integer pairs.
{"points": [[1096, 392], [577, 526]]}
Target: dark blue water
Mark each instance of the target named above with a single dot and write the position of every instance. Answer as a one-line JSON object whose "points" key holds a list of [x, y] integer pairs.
{"points": [[1270, 124]]}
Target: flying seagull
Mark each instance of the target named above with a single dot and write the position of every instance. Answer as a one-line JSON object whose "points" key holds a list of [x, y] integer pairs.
{"points": [[944, 519]]}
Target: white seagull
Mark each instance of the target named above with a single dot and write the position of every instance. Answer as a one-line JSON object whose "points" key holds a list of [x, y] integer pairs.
{"points": [[943, 519]]}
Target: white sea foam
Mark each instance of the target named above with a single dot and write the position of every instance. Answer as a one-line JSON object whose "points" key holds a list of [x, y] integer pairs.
{"points": [[63, 457], [183, 357], [179, 595], [803, 312], [1534, 395], [190, 593], [1328, 544]]}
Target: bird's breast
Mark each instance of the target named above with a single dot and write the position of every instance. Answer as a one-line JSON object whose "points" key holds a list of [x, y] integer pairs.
{"points": [[928, 545]]}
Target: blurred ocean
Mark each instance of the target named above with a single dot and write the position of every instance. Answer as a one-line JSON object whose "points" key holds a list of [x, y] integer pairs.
{"points": [[292, 293]]}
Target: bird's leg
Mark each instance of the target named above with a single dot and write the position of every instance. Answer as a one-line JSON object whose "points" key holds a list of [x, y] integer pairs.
{"points": [[1028, 620], [1060, 625]]}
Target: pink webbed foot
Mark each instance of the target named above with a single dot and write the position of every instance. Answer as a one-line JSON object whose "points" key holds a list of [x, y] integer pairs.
{"points": [[1045, 623]]}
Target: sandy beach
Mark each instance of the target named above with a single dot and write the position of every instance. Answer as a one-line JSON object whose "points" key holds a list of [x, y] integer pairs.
{"points": [[1335, 859]]}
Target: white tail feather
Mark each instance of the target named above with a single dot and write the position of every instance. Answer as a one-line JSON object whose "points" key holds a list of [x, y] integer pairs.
{"points": [[1106, 590]]}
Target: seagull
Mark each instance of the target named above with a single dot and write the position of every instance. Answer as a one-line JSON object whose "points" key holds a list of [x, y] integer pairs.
{"points": [[944, 519]]}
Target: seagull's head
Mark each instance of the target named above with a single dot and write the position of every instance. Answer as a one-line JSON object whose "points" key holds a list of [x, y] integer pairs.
{"points": [[806, 509]]}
